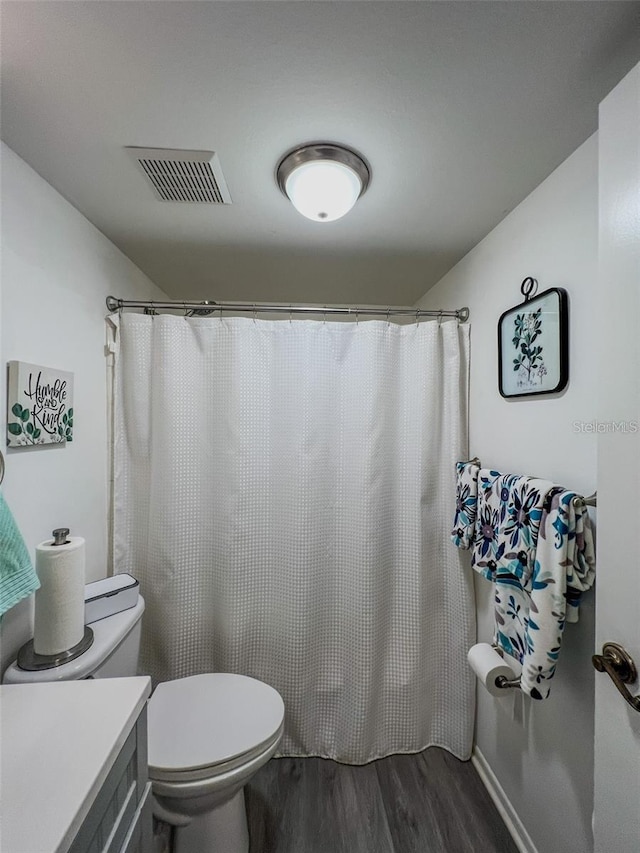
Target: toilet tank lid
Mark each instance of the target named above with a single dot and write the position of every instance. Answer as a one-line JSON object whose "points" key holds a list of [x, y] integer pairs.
{"points": [[109, 586]]}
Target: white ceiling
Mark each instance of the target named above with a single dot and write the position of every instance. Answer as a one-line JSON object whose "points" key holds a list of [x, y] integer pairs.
{"points": [[461, 108]]}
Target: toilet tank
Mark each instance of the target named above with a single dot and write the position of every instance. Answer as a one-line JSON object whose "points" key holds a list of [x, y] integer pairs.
{"points": [[113, 653], [124, 639]]}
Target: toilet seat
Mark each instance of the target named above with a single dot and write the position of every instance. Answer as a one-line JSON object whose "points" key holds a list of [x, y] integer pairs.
{"points": [[207, 725]]}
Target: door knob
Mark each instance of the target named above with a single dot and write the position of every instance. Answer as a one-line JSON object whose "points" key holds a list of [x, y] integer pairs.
{"points": [[619, 666]]}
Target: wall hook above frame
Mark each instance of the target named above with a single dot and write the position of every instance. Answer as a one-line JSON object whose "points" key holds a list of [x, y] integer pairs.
{"points": [[529, 288]]}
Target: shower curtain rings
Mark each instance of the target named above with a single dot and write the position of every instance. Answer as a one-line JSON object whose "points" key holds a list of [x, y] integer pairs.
{"points": [[254, 313], [439, 318], [388, 316], [417, 316], [290, 312]]}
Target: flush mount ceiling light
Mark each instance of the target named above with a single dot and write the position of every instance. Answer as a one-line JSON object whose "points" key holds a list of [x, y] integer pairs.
{"points": [[323, 180]]}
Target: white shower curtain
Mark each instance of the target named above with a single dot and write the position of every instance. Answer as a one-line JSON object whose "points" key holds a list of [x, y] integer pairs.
{"points": [[284, 492]]}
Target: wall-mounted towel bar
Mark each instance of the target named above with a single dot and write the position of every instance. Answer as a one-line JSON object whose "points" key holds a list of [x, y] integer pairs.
{"points": [[592, 500]]}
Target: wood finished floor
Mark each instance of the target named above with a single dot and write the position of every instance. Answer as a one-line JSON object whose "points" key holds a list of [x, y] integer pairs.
{"points": [[425, 803]]}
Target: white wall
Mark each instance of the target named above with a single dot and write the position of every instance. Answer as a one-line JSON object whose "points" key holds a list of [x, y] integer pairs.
{"points": [[541, 753], [57, 270]]}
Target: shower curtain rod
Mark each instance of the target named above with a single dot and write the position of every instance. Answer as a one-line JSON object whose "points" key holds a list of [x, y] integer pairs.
{"points": [[206, 307]]}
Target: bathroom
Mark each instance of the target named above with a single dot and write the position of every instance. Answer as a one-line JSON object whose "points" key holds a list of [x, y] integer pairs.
{"points": [[499, 126]]}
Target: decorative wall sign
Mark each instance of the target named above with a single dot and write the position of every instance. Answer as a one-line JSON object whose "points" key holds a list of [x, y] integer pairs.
{"points": [[533, 343], [40, 405]]}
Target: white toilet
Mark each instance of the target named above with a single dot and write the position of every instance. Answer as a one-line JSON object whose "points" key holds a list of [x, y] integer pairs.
{"points": [[208, 735]]}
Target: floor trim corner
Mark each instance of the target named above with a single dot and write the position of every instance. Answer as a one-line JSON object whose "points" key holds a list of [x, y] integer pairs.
{"points": [[521, 837]]}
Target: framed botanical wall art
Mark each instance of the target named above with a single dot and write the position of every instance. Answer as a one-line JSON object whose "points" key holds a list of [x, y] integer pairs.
{"points": [[533, 343], [39, 405]]}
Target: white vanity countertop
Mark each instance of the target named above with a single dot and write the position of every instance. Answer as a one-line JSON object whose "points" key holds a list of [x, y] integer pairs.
{"points": [[58, 743]]}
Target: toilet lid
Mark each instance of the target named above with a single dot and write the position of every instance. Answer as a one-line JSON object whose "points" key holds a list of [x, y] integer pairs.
{"points": [[205, 720]]}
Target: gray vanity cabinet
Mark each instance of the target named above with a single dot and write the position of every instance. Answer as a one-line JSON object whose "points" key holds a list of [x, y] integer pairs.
{"points": [[119, 820]]}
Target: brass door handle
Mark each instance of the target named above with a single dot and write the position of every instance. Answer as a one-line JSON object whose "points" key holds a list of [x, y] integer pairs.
{"points": [[619, 666]]}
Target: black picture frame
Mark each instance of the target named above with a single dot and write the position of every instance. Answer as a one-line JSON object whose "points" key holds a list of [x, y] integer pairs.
{"points": [[533, 346]]}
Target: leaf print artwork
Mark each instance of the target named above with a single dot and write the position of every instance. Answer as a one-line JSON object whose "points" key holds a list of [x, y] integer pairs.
{"points": [[533, 345], [529, 363]]}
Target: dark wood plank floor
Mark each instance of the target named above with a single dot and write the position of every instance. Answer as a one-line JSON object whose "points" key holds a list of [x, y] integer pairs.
{"points": [[425, 803]]}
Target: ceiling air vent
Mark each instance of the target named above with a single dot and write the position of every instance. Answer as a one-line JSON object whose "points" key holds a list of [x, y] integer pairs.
{"points": [[177, 175]]}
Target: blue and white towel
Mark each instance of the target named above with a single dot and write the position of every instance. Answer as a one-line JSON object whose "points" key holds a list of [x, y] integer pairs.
{"points": [[536, 545], [564, 569], [509, 512], [464, 523]]}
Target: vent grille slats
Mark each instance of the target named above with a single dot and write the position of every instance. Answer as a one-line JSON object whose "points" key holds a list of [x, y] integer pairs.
{"points": [[176, 181], [183, 176]]}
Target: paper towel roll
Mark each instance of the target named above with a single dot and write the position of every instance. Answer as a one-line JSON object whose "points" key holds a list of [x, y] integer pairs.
{"points": [[59, 613], [488, 665]]}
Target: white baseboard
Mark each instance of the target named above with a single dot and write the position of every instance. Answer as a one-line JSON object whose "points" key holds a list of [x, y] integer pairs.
{"points": [[521, 837]]}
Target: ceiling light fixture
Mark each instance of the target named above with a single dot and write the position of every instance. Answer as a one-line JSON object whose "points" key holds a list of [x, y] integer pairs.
{"points": [[323, 180]]}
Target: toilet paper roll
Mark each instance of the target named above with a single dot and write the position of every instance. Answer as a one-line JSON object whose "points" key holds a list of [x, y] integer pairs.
{"points": [[488, 665], [59, 611]]}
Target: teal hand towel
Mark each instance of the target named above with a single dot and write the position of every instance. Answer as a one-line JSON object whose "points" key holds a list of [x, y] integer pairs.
{"points": [[17, 575]]}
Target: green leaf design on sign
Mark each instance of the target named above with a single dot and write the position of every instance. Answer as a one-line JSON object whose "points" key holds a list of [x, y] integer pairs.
{"points": [[17, 410], [14, 429], [29, 428], [24, 415], [36, 433]]}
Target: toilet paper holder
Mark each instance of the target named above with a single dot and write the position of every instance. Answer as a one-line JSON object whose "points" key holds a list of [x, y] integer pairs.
{"points": [[502, 681]]}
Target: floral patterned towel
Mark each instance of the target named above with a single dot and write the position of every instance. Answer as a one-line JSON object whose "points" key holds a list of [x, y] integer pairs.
{"points": [[464, 524], [509, 512], [564, 568]]}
